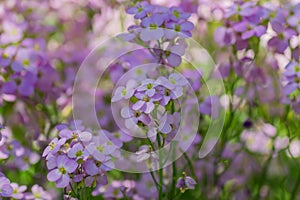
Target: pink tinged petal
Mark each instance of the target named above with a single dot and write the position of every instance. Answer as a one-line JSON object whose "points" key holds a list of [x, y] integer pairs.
{"points": [[138, 105], [63, 181], [293, 21], [65, 133], [54, 175]]}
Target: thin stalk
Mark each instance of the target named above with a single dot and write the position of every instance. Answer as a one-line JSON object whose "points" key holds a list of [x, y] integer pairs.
{"points": [[160, 171], [295, 189]]}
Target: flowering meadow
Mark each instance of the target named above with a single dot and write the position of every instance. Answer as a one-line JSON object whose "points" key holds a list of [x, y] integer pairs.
{"points": [[157, 99]]}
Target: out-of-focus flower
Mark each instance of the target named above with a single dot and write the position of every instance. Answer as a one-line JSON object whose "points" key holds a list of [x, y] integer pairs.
{"points": [[6, 189], [18, 191], [37, 193]]}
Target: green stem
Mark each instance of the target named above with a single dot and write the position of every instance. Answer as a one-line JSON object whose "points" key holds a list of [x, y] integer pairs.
{"points": [[295, 189], [263, 176], [160, 171]]}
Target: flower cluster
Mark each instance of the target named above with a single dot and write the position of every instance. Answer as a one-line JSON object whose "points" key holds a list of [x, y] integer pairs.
{"points": [[162, 29], [149, 95], [291, 79], [15, 191], [20, 157], [79, 157]]}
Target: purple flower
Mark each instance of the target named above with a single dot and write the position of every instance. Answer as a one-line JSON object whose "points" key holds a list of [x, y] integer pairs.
{"points": [[169, 123], [210, 106], [94, 167], [152, 30], [18, 191], [245, 9], [146, 154], [77, 151], [118, 137], [147, 86], [60, 171], [145, 103], [294, 20], [224, 36], [38, 193], [101, 147], [146, 187], [27, 159], [83, 136], [133, 117], [194, 78], [174, 84], [24, 85], [293, 84], [124, 92], [185, 182], [54, 146], [249, 29], [183, 28], [6, 190], [280, 42], [176, 14], [140, 10], [292, 69], [12, 32]]}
